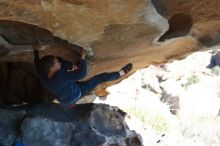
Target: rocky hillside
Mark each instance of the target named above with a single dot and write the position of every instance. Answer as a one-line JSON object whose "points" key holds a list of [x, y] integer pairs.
{"points": [[173, 104]]}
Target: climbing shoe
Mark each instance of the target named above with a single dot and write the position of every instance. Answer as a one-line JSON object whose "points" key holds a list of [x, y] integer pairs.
{"points": [[127, 68]]}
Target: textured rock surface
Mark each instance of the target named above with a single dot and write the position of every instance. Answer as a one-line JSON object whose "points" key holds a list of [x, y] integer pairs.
{"points": [[81, 21], [51, 125], [9, 125]]}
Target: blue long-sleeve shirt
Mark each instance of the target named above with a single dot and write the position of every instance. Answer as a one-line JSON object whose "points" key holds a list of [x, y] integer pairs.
{"points": [[63, 84]]}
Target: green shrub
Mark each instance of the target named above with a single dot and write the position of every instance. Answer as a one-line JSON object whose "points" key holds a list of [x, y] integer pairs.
{"points": [[216, 70], [153, 119], [191, 80], [202, 129]]}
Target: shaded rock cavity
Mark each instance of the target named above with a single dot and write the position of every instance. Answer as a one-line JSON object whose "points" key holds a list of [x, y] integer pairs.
{"points": [[4, 51], [19, 33], [19, 83], [179, 25], [16, 39], [18, 80]]}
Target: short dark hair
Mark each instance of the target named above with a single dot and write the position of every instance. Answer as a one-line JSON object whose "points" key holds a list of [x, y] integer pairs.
{"points": [[46, 63]]}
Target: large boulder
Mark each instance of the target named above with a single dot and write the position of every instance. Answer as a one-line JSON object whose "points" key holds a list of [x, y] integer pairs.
{"points": [[113, 32], [52, 125]]}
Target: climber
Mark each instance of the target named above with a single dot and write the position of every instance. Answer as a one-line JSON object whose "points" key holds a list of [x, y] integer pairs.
{"points": [[61, 77]]}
